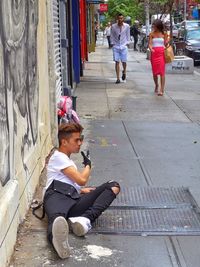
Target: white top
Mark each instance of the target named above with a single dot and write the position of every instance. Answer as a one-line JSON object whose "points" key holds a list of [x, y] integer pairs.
{"points": [[107, 31], [120, 35], [158, 42], [57, 163]]}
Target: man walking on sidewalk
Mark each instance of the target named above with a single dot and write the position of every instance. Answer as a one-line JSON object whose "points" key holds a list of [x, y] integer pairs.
{"points": [[64, 198], [120, 39], [135, 32]]}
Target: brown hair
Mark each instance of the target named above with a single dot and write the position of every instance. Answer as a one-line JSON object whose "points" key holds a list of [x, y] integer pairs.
{"points": [[65, 130], [159, 25]]}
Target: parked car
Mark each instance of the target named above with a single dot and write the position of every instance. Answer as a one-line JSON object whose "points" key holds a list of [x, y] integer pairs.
{"points": [[187, 24], [192, 44]]}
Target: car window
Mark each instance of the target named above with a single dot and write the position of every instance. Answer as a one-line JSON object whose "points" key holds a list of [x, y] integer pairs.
{"points": [[194, 34], [193, 24]]}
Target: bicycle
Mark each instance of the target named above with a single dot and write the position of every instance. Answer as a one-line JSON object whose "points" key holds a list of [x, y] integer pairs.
{"points": [[179, 48], [143, 43]]}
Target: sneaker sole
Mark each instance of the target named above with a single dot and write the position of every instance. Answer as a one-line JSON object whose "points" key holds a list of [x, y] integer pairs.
{"points": [[60, 232], [77, 228]]}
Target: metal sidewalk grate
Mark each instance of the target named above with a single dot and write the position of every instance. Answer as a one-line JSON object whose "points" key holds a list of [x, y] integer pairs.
{"points": [[149, 222], [153, 197], [151, 211]]}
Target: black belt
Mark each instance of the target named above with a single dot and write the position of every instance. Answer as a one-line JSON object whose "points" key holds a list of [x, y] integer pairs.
{"points": [[58, 187], [63, 188]]}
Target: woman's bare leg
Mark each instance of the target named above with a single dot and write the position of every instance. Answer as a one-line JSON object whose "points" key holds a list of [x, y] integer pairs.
{"points": [[155, 78], [162, 83]]}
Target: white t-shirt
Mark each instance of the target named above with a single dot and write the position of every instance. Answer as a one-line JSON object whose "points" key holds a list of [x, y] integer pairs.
{"points": [[107, 31], [57, 163]]}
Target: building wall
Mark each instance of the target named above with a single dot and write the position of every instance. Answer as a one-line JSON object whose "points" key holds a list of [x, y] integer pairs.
{"points": [[83, 32], [26, 100], [76, 40]]}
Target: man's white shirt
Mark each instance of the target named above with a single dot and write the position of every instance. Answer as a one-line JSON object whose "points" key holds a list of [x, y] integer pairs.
{"points": [[57, 162], [120, 35]]}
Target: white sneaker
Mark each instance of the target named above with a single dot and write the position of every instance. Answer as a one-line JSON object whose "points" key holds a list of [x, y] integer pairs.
{"points": [[80, 225], [60, 231]]}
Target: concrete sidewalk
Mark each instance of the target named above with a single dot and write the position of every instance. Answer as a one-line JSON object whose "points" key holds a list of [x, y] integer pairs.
{"points": [[138, 139]]}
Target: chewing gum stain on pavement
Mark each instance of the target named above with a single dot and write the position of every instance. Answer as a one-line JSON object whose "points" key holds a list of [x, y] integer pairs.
{"points": [[98, 253]]}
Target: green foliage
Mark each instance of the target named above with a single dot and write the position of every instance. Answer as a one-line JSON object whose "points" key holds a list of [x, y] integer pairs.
{"points": [[160, 2], [136, 8], [129, 8], [162, 6]]}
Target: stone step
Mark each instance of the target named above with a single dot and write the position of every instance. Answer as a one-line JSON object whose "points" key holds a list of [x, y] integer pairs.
{"points": [[181, 65]]}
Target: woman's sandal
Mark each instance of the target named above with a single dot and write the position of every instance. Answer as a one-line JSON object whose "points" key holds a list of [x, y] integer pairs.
{"points": [[160, 94], [156, 90]]}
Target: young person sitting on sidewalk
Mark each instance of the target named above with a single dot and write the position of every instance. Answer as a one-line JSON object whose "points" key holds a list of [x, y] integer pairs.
{"points": [[64, 200]]}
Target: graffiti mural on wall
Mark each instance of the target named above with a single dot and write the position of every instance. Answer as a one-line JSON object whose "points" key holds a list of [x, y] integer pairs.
{"points": [[19, 96]]}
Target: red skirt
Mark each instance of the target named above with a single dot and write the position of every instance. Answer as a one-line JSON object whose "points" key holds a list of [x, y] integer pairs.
{"points": [[158, 61]]}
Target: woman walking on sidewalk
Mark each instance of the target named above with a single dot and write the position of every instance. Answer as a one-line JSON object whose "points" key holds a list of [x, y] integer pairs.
{"points": [[157, 43], [107, 33]]}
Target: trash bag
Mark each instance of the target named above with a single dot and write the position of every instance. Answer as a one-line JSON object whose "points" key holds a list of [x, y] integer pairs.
{"points": [[65, 112]]}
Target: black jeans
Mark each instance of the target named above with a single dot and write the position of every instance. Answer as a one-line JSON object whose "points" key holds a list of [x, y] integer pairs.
{"points": [[109, 41], [62, 200], [135, 37]]}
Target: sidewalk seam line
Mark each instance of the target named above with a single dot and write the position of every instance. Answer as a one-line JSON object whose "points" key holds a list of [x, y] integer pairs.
{"points": [[144, 171], [180, 109], [196, 73]]}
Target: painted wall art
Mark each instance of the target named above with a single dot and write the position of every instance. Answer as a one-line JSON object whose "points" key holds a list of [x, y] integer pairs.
{"points": [[19, 95]]}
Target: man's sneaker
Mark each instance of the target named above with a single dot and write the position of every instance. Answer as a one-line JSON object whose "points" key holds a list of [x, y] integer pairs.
{"points": [[60, 231], [123, 76], [117, 81], [80, 225]]}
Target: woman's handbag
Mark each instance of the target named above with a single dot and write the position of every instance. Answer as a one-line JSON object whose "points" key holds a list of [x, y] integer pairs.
{"points": [[169, 54]]}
